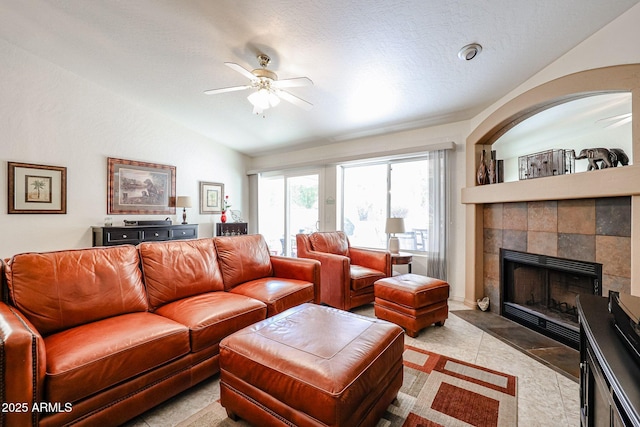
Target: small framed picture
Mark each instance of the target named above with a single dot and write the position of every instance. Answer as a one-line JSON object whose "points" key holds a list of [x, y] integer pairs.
{"points": [[37, 189], [211, 197], [140, 188]]}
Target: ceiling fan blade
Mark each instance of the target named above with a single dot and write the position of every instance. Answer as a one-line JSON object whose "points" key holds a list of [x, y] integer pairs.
{"points": [[226, 89], [615, 121], [239, 68], [289, 97], [614, 118], [295, 82], [622, 121]]}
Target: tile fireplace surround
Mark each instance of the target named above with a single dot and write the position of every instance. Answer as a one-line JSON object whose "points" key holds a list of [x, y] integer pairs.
{"points": [[594, 230]]}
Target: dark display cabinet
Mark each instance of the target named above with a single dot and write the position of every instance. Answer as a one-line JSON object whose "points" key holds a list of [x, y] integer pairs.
{"points": [[609, 374], [231, 228]]}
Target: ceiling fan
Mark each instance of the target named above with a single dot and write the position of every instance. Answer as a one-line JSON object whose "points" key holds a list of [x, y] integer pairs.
{"points": [[268, 89]]}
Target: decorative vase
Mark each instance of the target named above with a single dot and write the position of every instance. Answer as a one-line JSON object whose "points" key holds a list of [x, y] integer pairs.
{"points": [[492, 168], [483, 174], [223, 217]]}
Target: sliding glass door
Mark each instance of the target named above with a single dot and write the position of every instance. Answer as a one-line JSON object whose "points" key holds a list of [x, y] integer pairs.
{"points": [[271, 211], [287, 205]]}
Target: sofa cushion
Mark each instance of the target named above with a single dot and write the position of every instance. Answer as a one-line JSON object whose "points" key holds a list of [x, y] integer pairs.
{"points": [[93, 357], [278, 294], [243, 258], [60, 290], [214, 315], [333, 242], [362, 277], [178, 269]]}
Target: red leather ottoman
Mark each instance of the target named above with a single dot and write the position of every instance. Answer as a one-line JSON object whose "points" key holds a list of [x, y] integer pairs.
{"points": [[411, 301], [311, 365]]}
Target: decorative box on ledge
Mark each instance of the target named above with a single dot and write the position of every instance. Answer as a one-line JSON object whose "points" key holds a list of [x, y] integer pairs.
{"points": [[547, 163], [232, 228]]}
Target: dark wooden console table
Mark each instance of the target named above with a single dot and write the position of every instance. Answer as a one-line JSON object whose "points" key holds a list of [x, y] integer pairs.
{"points": [[609, 375], [134, 234]]}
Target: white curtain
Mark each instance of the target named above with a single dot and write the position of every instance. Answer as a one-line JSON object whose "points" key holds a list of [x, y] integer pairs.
{"points": [[438, 214]]}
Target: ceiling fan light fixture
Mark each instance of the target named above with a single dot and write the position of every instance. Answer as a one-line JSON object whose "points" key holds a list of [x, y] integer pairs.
{"points": [[470, 51], [273, 99], [263, 99]]}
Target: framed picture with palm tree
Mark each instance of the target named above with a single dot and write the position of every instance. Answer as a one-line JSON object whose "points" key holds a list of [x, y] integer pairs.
{"points": [[37, 189]]}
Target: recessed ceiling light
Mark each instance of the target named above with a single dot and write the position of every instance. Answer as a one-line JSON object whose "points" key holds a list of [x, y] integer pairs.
{"points": [[469, 52]]}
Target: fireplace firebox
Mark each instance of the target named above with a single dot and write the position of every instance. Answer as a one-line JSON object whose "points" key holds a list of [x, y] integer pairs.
{"points": [[540, 291]]}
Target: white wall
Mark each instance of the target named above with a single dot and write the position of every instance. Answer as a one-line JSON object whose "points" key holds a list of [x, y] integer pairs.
{"points": [[49, 116]]}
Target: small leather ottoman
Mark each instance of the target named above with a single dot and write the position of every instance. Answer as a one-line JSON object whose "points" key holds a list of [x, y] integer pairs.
{"points": [[411, 301], [311, 365]]}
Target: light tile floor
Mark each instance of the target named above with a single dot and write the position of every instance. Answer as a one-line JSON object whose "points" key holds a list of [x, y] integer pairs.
{"points": [[545, 397]]}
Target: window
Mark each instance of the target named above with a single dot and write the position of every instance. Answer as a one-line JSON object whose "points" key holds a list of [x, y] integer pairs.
{"points": [[409, 199], [413, 189]]}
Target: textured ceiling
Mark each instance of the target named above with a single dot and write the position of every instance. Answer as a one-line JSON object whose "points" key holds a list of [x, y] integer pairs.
{"points": [[376, 66]]}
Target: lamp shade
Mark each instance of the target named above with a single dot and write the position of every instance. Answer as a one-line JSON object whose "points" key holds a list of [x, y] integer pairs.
{"points": [[183, 202], [394, 225]]}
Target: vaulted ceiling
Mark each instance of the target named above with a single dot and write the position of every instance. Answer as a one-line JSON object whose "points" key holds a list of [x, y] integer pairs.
{"points": [[377, 66]]}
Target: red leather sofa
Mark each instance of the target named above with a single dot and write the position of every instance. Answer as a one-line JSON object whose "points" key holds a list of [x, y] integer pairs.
{"points": [[97, 336]]}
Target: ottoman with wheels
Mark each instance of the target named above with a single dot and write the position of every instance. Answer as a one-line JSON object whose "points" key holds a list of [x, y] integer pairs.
{"points": [[412, 301], [312, 366]]}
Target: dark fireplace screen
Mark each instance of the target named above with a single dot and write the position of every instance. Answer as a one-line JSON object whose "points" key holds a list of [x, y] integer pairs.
{"points": [[540, 292]]}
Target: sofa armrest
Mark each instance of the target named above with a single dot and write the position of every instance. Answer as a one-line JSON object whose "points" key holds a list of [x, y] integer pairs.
{"points": [[298, 269], [335, 277], [23, 365], [371, 258]]}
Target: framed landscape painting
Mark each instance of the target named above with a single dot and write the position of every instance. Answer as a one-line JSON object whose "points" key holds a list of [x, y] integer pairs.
{"points": [[37, 189], [139, 188], [211, 197]]}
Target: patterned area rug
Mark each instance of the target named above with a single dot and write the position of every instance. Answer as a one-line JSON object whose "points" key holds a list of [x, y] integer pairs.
{"points": [[436, 391], [440, 391]]}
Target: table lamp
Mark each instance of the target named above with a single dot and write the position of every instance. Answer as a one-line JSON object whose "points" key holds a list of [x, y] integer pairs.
{"points": [[394, 225], [183, 202]]}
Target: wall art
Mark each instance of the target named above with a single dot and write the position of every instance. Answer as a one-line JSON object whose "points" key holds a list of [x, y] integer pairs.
{"points": [[37, 189], [211, 197], [140, 188]]}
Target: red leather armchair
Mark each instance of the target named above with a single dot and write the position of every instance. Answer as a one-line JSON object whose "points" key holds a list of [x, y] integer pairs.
{"points": [[347, 273]]}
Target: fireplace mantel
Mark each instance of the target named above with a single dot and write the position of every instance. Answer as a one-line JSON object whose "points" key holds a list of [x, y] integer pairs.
{"points": [[612, 182]]}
